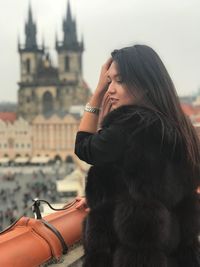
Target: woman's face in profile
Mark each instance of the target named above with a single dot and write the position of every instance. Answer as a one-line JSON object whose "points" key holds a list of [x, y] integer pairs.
{"points": [[117, 91]]}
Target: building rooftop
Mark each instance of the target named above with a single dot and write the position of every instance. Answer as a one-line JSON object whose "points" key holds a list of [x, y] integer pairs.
{"points": [[8, 116]]}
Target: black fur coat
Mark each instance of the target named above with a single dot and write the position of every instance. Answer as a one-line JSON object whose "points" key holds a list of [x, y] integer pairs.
{"points": [[144, 206]]}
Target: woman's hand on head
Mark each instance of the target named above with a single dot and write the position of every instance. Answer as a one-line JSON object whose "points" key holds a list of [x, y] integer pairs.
{"points": [[102, 85], [90, 122]]}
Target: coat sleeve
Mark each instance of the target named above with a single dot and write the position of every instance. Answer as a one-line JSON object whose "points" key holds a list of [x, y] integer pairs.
{"points": [[107, 145]]}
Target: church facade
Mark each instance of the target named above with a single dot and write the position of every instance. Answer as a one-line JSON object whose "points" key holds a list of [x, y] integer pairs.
{"points": [[43, 88]]}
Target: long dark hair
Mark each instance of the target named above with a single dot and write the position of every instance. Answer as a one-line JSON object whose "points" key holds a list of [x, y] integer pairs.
{"points": [[143, 72]]}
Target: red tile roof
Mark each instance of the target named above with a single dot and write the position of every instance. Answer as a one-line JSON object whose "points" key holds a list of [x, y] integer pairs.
{"points": [[8, 116], [197, 119], [190, 110]]}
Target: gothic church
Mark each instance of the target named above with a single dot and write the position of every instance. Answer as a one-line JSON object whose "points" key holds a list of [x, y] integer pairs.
{"points": [[46, 89]]}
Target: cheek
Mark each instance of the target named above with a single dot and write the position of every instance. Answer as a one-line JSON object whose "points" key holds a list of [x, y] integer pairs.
{"points": [[125, 96], [132, 98], [128, 98]]}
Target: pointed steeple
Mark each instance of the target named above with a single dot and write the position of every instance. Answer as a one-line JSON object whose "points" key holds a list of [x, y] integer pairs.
{"points": [[69, 14], [30, 31], [69, 29], [69, 50], [30, 16], [74, 28]]}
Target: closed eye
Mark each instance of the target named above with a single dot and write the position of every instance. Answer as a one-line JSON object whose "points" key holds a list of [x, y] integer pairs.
{"points": [[117, 78], [119, 81]]}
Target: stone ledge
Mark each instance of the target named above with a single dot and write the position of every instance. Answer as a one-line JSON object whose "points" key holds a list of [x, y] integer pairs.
{"points": [[72, 259]]}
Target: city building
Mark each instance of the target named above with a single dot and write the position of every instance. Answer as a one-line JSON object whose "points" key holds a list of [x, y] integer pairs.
{"points": [[15, 139], [54, 137]]}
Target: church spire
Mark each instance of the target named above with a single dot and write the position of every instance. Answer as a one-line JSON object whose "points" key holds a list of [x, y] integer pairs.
{"points": [[30, 17], [70, 41], [69, 14], [30, 31], [69, 30]]}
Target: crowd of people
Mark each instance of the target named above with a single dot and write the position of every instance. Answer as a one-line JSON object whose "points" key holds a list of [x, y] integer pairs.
{"points": [[18, 191]]}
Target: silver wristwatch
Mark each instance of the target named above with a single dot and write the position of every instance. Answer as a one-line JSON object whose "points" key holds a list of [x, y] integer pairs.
{"points": [[91, 109]]}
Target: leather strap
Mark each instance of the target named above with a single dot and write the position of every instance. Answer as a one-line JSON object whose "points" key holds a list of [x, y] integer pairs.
{"points": [[58, 234]]}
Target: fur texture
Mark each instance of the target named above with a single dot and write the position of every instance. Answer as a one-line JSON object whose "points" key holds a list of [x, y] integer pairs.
{"points": [[144, 208]]}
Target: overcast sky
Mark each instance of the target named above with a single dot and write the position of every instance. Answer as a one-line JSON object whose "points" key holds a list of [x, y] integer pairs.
{"points": [[171, 27]]}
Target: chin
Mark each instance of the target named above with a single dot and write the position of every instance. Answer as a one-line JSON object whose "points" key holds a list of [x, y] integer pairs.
{"points": [[116, 106]]}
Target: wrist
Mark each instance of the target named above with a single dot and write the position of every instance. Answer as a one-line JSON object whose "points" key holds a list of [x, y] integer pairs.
{"points": [[100, 90], [96, 99]]}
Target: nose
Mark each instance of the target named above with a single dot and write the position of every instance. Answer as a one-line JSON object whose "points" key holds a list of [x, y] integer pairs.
{"points": [[111, 88]]}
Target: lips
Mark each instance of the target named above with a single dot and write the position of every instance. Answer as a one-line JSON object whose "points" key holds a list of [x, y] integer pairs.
{"points": [[113, 100]]}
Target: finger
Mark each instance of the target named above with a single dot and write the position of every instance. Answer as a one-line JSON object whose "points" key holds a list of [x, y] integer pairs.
{"points": [[78, 198], [108, 62], [78, 204], [79, 207]]}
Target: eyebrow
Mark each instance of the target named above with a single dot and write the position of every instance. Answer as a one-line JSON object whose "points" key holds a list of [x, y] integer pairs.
{"points": [[116, 75]]}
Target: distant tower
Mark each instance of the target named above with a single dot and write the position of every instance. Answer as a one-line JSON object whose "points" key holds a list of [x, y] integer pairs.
{"points": [[30, 53], [69, 50], [30, 58]]}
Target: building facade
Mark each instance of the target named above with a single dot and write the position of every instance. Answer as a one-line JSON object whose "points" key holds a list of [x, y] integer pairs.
{"points": [[43, 140], [54, 137], [16, 139]]}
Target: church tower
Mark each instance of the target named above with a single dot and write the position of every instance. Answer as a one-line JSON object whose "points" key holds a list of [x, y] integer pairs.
{"points": [[69, 50], [30, 58], [30, 53]]}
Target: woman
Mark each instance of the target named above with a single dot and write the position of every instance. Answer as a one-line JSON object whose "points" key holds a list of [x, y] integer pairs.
{"points": [[141, 189]]}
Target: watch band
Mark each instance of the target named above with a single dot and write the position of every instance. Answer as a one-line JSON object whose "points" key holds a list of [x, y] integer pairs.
{"points": [[91, 109]]}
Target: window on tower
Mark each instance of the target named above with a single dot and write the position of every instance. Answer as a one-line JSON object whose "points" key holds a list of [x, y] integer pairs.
{"points": [[47, 102], [28, 65], [67, 63]]}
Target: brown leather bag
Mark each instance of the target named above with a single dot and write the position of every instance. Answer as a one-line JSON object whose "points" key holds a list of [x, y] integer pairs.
{"points": [[32, 242]]}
